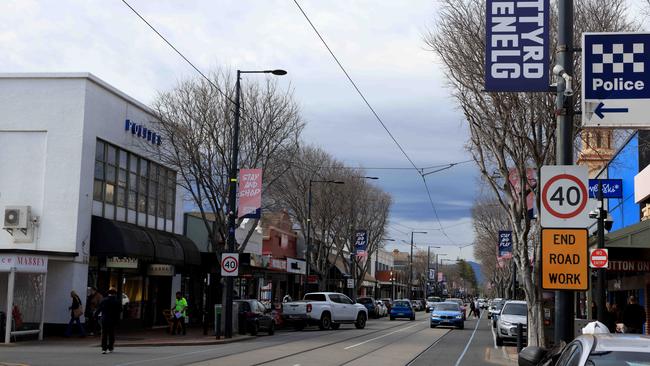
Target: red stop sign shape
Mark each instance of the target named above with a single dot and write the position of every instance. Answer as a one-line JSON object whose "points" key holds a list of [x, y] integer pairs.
{"points": [[599, 258]]}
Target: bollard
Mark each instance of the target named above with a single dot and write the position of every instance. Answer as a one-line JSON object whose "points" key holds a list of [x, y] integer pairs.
{"points": [[218, 326], [520, 337]]}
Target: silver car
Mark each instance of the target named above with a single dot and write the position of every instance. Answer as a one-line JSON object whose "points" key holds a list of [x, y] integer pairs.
{"points": [[513, 313], [593, 350]]}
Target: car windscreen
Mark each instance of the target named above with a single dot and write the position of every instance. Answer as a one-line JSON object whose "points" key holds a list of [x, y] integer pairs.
{"points": [[401, 304], [613, 358], [515, 309], [364, 300], [433, 299], [446, 307], [315, 297]]}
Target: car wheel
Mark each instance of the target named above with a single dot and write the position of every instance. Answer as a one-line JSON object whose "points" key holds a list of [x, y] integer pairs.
{"points": [[325, 321], [335, 326], [499, 341], [361, 321], [254, 328], [413, 317], [392, 318], [272, 328]]}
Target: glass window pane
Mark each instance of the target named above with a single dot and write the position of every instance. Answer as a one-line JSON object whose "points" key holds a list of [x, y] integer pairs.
{"points": [[161, 190], [153, 172], [143, 186], [152, 189], [99, 170], [133, 164], [123, 156], [142, 203], [99, 151], [143, 167], [97, 190], [132, 200], [161, 209], [110, 158], [110, 193], [121, 196], [133, 182], [121, 179], [151, 209], [110, 173], [170, 211]]}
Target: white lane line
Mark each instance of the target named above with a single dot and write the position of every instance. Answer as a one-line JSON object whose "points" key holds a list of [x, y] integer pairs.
{"points": [[468, 343], [494, 336], [382, 336]]}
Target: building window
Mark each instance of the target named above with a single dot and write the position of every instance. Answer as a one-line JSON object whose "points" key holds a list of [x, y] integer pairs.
{"points": [[127, 180]]}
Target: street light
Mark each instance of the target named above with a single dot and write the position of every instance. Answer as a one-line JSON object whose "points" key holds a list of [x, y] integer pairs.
{"points": [[308, 251], [232, 199], [411, 262]]}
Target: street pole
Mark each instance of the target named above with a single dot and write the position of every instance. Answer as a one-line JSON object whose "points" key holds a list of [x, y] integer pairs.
{"points": [[564, 312], [308, 252], [428, 270], [600, 284], [410, 284]]}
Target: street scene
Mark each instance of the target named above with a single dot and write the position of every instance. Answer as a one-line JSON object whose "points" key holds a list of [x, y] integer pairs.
{"points": [[344, 182]]}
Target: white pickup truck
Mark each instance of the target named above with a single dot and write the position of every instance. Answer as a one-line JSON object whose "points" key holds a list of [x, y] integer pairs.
{"points": [[325, 309]]}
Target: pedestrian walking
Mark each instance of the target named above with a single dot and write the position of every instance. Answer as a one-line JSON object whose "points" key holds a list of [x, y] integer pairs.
{"points": [[109, 312], [92, 303], [633, 316], [472, 308], [76, 311], [180, 312]]}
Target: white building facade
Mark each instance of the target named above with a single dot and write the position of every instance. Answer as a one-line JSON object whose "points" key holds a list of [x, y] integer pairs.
{"points": [[82, 193]]}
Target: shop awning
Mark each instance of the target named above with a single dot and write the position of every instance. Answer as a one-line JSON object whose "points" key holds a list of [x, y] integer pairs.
{"points": [[111, 238]]}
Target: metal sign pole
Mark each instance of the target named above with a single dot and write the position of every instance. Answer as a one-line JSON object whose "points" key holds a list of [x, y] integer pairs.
{"points": [[564, 103]]}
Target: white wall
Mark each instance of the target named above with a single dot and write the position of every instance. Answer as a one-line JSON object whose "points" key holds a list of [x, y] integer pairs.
{"points": [[62, 277]]}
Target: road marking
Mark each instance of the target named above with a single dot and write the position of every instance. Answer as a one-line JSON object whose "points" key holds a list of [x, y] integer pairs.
{"points": [[382, 336], [166, 358], [494, 336], [468, 343]]}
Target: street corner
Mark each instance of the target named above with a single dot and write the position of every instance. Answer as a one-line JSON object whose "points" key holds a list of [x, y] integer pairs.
{"points": [[501, 356]]}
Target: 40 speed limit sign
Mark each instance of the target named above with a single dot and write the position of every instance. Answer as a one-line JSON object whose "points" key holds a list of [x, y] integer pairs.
{"points": [[564, 196], [230, 264]]}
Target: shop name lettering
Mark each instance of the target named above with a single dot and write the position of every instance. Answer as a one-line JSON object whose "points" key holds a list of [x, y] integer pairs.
{"points": [[606, 188], [629, 266], [143, 132], [23, 261], [517, 41]]}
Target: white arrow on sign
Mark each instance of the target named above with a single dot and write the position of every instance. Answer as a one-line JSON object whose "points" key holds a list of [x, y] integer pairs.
{"points": [[564, 197]]}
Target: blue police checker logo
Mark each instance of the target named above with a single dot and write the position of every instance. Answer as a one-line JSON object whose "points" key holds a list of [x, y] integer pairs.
{"points": [[615, 67]]}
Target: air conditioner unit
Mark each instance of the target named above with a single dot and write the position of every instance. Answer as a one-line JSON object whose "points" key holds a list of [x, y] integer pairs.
{"points": [[17, 217]]}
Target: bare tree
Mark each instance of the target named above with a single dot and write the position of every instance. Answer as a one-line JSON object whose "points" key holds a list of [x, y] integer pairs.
{"points": [[196, 122], [510, 133]]}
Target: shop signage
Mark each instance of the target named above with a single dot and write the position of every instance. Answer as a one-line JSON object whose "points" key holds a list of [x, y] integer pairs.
{"points": [[121, 262], [23, 263], [629, 266], [143, 132], [250, 193], [505, 244], [230, 264], [564, 197], [312, 279], [611, 188], [564, 259], [598, 258], [296, 266], [160, 270], [517, 46]]}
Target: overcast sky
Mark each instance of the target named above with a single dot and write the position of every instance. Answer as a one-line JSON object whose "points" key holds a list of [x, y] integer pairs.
{"points": [[379, 42]]}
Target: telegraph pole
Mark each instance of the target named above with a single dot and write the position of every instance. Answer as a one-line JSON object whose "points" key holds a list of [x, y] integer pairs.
{"points": [[600, 282], [564, 300]]}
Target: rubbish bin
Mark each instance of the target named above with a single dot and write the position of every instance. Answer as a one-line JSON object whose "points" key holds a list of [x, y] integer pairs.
{"points": [[218, 310]]}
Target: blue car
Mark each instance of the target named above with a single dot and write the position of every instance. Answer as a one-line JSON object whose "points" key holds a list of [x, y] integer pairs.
{"points": [[447, 313], [402, 309]]}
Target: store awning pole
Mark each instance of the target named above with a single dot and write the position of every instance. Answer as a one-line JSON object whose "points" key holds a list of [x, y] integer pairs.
{"points": [[40, 327], [10, 301]]}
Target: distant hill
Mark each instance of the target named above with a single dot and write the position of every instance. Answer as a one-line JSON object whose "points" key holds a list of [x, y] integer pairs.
{"points": [[477, 271]]}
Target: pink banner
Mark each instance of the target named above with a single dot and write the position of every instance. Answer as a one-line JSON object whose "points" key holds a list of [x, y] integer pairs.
{"points": [[250, 192]]}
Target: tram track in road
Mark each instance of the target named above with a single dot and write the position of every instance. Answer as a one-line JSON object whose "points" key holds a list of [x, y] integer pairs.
{"points": [[328, 345], [435, 343]]}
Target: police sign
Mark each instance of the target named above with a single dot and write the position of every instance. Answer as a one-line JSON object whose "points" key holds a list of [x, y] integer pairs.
{"points": [[516, 57], [616, 86]]}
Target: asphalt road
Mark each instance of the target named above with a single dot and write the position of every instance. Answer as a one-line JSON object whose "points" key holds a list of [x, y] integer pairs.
{"points": [[382, 342]]}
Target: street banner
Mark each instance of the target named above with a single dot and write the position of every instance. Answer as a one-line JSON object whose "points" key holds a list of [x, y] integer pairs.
{"points": [[361, 243], [250, 193], [505, 244], [432, 274], [441, 277], [517, 46], [611, 188]]}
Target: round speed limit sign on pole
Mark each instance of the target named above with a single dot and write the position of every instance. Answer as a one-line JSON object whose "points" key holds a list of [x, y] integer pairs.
{"points": [[230, 264], [564, 196]]}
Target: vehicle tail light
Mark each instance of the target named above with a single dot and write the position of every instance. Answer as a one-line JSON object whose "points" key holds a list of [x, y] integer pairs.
{"points": [[309, 308]]}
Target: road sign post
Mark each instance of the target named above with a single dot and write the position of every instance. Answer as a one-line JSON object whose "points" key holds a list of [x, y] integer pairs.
{"points": [[564, 259], [616, 81]]}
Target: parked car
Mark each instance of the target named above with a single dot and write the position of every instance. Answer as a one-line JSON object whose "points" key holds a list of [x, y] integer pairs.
{"points": [[447, 313], [482, 303], [388, 303], [460, 303], [431, 301], [381, 308], [492, 308], [254, 317], [513, 313], [494, 313], [402, 309], [325, 309], [371, 306], [592, 350]]}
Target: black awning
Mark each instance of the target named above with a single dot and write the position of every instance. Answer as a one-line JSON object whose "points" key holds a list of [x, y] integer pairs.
{"points": [[111, 238]]}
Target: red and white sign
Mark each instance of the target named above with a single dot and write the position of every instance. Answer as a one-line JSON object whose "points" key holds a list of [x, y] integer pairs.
{"points": [[564, 197], [23, 263], [230, 264], [598, 258], [250, 191]]}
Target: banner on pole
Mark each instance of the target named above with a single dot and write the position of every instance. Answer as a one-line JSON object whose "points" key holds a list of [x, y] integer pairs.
{"points": [[361, 243], [250, 193], [505, 244]]}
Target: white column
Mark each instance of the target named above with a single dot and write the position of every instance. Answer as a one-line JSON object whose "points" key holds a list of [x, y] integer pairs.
{"points": [[10, 301], [40, 327]]}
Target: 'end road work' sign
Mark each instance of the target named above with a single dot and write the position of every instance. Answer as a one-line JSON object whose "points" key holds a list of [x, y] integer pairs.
{"points": [[616, 79], [564, 259], [517, 45]]}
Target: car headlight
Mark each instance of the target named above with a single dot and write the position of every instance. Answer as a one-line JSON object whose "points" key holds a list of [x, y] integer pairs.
{"points": [[435, 315], [459, 317], [506, 323]]}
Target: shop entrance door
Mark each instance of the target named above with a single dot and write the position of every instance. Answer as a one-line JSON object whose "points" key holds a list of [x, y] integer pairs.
{"points": [[159, 299]]}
